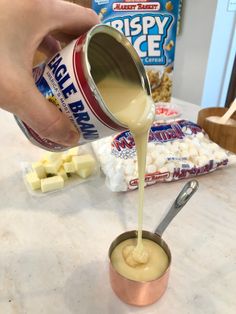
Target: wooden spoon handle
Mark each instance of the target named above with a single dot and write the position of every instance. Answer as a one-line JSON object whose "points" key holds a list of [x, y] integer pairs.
{"points": [[228, 113]]}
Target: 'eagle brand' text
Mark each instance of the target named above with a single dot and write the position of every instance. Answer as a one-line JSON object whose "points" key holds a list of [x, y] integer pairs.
{"points": [[67, 87]]}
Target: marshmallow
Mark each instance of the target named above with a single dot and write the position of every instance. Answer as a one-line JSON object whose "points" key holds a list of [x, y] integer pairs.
{"points": [[172, 158], [151, 169], [160, 161], [220, 155], [148, 160]]}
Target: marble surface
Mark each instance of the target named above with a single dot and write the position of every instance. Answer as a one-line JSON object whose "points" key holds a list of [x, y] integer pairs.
{"points": [[53, 252]]}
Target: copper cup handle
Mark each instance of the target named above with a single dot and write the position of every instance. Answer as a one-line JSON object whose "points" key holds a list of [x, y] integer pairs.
{"points": [[186, 193]]}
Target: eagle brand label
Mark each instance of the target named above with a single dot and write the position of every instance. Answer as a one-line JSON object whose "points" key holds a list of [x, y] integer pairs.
{"points": [[63, 82]]}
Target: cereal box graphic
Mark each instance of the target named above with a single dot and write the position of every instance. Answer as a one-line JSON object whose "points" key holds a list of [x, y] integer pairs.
{"points": [[151, 28]]}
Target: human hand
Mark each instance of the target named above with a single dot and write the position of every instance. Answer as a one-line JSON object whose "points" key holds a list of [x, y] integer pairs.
{"points": [[26, 26]]}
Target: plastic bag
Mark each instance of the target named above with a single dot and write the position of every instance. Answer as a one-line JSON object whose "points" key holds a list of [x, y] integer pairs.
{"points": [[178, 150], [73, 178]]}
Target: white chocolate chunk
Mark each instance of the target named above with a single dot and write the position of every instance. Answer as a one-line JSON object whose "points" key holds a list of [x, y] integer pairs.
{"points": [[73, 151], [52, 167], [33, 180], [67, 157], [85, 172], [69, 167], [51, 156], [39, 169], [83, 161], [61, 172], [52, 183]]}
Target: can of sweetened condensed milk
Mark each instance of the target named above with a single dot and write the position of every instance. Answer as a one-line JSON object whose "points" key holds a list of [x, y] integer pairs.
{"points": [[69, 80]]}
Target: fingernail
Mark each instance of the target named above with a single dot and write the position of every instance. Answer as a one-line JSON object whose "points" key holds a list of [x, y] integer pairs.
{"points": [[94, 14], [72, 138]]}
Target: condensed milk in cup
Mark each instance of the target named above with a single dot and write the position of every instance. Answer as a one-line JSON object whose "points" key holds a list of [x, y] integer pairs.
{"points": [[135, 284]]}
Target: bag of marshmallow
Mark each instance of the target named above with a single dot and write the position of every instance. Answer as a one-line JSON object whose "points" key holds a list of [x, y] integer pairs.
{"points": [[176, 150]]}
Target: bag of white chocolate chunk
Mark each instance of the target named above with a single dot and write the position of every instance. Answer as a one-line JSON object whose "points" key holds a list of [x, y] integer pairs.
{"points": [[151, 27], [177, 150], [53, 171]]}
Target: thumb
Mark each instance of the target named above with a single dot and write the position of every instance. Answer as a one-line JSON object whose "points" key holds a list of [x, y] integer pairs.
{"points": [[42, 116]]}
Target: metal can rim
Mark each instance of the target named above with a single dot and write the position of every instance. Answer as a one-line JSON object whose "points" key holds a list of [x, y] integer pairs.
{"points": [[102, 28]]}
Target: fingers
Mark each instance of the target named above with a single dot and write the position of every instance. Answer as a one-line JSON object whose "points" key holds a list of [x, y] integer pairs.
{"points": [[49, 46], [73, 19], [24, 100], [70, 21], [44, 117], [63, 38]]}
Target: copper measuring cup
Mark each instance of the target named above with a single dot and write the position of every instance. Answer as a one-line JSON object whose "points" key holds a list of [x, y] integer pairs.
{"points": [[140, 293]]}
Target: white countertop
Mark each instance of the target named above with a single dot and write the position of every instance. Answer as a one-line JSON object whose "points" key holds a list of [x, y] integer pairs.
{"points": [[53, 252]]}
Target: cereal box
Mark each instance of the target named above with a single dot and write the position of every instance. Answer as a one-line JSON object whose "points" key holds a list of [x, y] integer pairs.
{"points": [[151, 28]]}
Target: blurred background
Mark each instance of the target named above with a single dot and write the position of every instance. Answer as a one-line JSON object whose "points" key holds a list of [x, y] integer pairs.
{"points": [[205, 71]]}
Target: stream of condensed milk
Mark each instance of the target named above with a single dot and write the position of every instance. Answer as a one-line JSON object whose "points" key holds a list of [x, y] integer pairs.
{"points": [[131, 105]]}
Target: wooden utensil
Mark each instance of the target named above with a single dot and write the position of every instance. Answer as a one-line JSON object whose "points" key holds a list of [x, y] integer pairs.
{"points": [[224, 119], [222, 134], [228, 113]]}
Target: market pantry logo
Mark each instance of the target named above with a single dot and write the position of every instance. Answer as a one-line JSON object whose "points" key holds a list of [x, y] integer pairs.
{"points": [[136, 6]]}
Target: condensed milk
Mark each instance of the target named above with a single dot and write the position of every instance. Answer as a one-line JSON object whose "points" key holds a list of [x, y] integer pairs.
{"points": [[131, 105], [155, 266]]}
